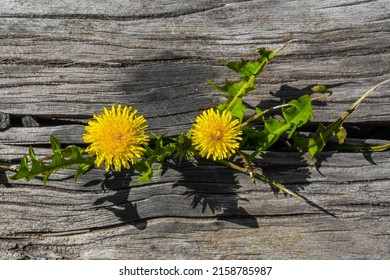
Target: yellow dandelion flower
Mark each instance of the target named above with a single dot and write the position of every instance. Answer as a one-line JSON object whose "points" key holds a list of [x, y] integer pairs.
{"points": [[215, 134], [116, 137]]}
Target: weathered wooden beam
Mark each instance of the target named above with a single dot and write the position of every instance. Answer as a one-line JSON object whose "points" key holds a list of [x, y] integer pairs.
{"points": [[199, 209], [169, 51], [61, 63]]}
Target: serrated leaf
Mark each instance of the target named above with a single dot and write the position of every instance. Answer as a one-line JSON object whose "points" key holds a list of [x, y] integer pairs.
{"points": [[72, 151], [249, 69], [229, 87], [81, 169], [237, 91], [297, 114], [36, 166], [151, 156], [22, 171], [321, 137], [237, 111], [315, 144], [184, 141], [57, 160], [60, 159], [235, 88], [148, 152], [55, 144], [145, 169]]}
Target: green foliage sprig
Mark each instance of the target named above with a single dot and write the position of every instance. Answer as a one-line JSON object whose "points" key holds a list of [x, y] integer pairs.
{"points": [[61, 159], [238, 135]]}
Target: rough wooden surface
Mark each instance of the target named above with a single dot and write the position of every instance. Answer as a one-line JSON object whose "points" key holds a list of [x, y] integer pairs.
{"points": [[61, 62]]}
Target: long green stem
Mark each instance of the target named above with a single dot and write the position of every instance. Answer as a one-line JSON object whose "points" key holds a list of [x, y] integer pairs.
{"points": [[262, 113], [282, 47], [262, 178], [249, 167], [361, 148], [357, 103]]}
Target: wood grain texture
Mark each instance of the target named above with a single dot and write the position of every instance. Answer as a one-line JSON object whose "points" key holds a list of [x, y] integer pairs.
{"points": [[94, 53], [208, 211], [61, 62]]}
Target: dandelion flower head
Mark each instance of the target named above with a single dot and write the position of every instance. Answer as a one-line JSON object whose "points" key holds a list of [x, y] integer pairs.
{"points": [[117, 137], [216, 134]]}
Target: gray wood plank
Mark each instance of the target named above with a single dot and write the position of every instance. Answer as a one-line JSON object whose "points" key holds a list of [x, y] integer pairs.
{"points": [[206, 212], [60, 63], [174, 51], [78, 93]]}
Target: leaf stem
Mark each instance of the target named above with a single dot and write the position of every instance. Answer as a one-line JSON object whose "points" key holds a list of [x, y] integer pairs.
{"points": [[13, 167], [262, 113], [249, 167], [261, 177], [240, 93], [282, 47], [357, 103], [258, 115], [361, 148]]}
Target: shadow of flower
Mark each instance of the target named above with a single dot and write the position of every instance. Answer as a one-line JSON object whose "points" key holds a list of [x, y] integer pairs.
{"points": [[124, 209]]}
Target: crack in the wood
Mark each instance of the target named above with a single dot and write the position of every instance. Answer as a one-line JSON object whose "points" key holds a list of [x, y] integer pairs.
{"points": [[42, 121], [106, 17], [168, 219], [105, 64], [46, 83], [363, 204], [333, 230], [353, 3], [380, 20], [355, 51]]}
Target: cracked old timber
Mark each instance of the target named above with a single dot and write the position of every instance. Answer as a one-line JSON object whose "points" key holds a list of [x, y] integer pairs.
{"points": [[61, 63]]}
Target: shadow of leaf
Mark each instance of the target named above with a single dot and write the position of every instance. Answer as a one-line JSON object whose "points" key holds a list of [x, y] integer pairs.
{"points": [[288, 93], [215, 188], [4, 178]]}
